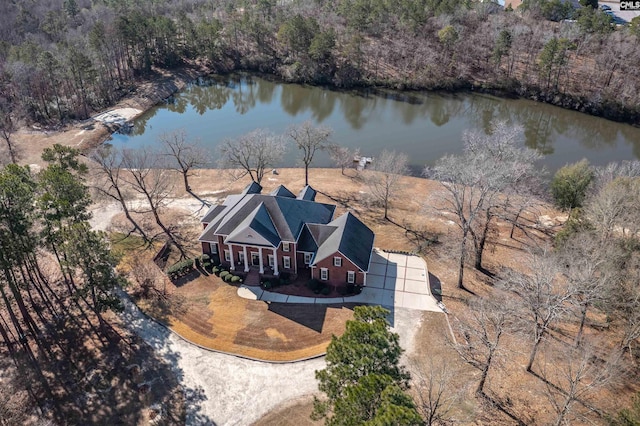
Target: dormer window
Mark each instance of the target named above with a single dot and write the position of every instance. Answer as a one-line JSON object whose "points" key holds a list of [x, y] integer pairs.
{"points": [[285, 246]]}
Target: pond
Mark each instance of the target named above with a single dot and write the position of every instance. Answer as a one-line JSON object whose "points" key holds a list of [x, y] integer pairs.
{"points": [[425, 126]]}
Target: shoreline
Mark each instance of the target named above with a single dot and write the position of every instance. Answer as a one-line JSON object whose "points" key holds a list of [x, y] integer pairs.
{"points": [[90, 133]]}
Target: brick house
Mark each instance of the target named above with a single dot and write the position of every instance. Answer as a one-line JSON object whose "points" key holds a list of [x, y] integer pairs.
{"points": [[281, 232]]}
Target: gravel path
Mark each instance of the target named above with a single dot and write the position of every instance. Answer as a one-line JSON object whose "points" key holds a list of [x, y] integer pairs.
{"points": [[227, 390]]}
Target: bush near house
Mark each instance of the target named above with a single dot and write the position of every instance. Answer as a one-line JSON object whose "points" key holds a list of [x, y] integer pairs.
{"points": [[180, 269]]}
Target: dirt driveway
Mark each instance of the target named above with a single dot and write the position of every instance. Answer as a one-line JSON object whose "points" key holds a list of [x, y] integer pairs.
{"points": [[227, 390]]}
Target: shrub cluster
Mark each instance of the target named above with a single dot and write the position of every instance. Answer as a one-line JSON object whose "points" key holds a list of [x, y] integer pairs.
{"points": [[180, 269], [318, 287]]}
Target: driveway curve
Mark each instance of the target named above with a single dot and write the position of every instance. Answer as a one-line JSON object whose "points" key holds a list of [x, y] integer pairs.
{"points": [[223, 389]]}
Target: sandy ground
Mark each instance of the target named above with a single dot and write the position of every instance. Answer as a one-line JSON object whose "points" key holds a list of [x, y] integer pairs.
{"points": [[227, 390]]}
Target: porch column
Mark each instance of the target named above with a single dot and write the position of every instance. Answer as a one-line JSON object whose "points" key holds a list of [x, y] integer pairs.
{"points": [[275, 262], [246, 263], [260, 257], [233, 260]]}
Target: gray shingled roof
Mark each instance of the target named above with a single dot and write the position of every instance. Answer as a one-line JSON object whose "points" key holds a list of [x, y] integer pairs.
{"points": [[252, 188], [306, 241], [282, 191], [288, 216], [260, 221], [352, 238], [307, 193], [213, 211]]}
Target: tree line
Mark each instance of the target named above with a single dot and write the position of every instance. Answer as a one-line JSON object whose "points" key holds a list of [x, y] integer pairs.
{"points": [[57, 280], [63, 60]]}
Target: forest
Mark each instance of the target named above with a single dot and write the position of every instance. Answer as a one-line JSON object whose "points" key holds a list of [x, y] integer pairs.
{"points": [[63, 60]]}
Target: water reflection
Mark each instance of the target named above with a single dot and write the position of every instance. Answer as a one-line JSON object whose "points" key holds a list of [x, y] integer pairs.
{"points": [[425, 126]]}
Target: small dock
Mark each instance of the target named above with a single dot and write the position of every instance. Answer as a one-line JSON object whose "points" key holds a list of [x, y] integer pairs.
{"points": [[362, 162]]}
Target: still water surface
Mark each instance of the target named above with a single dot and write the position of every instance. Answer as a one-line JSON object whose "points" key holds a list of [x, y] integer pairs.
{"points": [[425, 126]]}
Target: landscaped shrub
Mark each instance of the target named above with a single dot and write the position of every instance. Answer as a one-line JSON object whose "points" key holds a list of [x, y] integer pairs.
{"points": [[285, 276], [216, 270], [351, 288], [223, 274], [267, 284], [325, 290], [236, 279], [205, 261], [275, 282], [313, 285], [180, 269], [228, 277]]}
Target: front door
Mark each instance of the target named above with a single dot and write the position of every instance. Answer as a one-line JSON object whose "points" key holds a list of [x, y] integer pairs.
{"points": [[255, 259]]}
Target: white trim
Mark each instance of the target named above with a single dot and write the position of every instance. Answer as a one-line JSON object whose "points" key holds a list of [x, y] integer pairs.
{"points": [[270, 256], [351, 277], [307, 258], [227, 256], [286, 262], [337, 261], [285, 246], [213, 248], [324, 274], [241, 256]]}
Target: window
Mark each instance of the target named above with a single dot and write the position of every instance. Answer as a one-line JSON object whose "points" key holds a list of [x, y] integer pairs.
{"points": [[351, 277], [213, 248], [285, 246], [241, 257], [307, 258], [227, 255], [324, 274], [270, 261], [286, 262], [337, 261]]}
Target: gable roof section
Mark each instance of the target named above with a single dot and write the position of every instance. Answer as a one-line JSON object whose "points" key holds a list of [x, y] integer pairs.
{"points": [[282, 191], [307, 193], [320, 232], [252, 188], [296, 213], [287, 216], [306, 241], [352, 238], [257, 228], [211, 214]]}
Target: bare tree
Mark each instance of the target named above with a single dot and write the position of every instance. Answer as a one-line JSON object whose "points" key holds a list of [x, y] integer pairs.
{"points": [[543, 299], [591, 266], [614, 209], [110, 182], [435, 393], [383, 179], [184, 156], [342, 156], [481, 333], [251, 154], [575, 375], [481, 183], [154, 183], [309, 139], [7, 127]]}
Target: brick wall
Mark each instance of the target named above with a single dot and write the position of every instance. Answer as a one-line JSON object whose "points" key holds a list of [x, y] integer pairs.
{"points": [[338, 274]]}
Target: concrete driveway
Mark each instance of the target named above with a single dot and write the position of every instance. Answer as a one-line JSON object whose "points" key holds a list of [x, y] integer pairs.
{"points": [[394, 280]]}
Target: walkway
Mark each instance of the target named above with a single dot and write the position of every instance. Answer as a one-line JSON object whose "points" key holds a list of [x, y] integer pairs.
{"points": [[394, 280]]}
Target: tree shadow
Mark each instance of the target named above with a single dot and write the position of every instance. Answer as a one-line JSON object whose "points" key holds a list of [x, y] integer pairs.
{"points": [[310, 316], [156, 337], [435, 286], [502, 406]]}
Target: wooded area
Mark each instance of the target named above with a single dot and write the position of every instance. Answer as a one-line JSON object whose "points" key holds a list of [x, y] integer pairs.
{"points": [[63, 60]]}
